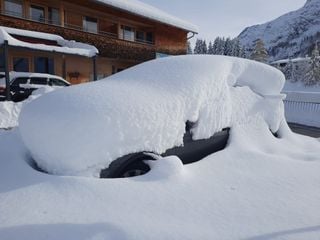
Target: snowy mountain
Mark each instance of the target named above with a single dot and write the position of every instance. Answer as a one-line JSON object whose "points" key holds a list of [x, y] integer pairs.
{"points": [[291, 35]]}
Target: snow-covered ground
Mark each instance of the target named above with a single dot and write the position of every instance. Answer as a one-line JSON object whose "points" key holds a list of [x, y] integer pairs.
{"points": [[259, 187]]}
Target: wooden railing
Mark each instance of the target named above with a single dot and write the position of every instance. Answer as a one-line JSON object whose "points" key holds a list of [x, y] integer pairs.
{"points": [[71, 26]]}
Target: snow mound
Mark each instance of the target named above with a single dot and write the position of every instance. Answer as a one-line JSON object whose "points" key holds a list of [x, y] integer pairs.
{"points": [[9, 111], [81, 129]]}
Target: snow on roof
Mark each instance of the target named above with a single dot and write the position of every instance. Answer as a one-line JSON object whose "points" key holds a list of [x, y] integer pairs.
{"points": [[145, 108], [147, 11], [65, 46]]}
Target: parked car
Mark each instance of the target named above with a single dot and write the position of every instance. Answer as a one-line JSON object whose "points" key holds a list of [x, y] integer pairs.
{"points": [[22, 84], [181, 106]]}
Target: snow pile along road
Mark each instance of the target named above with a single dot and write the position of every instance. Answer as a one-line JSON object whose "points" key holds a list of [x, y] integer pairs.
{"points": [[145, 108]]}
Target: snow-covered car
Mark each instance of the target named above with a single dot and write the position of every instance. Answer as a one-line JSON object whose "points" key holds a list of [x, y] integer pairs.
{"points": [[22, 84], [172, 106]]}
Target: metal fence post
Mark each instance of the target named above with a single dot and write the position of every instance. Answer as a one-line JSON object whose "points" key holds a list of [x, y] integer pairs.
{"points": [[6, 66]]}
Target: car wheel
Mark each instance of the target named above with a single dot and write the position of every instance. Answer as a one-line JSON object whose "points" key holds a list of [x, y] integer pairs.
{"points": [[128, 166]]}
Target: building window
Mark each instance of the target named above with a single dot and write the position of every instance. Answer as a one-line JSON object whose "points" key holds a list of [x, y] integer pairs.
{"points": [[140, 36], [128, 33], [37, 13], [43, 65], [149, 37], [21, 64], [54, 16], [90, 24], [13, 7]]}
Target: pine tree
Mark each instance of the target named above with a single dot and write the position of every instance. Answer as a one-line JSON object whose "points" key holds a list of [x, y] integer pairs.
{"points": [[288, 71], [260, 53], [216, 45], [312, 76], [197, 47], [221, 46], [236, 47], [242, 53], [228, 47], [210, 48], [204, 49]]}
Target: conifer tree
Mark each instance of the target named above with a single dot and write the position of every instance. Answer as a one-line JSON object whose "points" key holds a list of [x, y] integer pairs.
{"points": [[221, 46], [198, 47], [216, 45], [228, 47], [288, 71], [242, 53], [236, 47], [260, 53], [210, 48], [312, 76], [204, 49]]}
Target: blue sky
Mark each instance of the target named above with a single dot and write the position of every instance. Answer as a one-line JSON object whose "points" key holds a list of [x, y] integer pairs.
{"points": [[226, 17]]}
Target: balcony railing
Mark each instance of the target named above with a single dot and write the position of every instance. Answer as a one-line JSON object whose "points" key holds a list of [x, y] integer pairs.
{"points": [[71, 26]]}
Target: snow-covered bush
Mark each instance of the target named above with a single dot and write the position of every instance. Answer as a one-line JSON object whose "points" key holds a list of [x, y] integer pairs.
{"points": [[81, 129]]}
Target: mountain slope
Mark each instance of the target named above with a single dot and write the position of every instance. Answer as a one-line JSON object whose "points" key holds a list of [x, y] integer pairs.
{"points": [[291, 35]]}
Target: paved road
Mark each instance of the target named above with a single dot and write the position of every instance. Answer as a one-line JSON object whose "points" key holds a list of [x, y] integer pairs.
{"points": [[305, 130]]}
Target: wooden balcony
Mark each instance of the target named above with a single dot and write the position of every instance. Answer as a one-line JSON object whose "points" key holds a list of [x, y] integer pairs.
{"points": [[108, 43]]}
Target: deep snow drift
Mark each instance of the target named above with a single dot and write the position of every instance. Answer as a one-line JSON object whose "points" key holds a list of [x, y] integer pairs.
{"points": [[258, 188], [145, 108]]}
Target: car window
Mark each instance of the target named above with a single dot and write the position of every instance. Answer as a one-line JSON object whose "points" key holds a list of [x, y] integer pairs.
{"points": [[39, 81], [20, 80], [57, 82]]}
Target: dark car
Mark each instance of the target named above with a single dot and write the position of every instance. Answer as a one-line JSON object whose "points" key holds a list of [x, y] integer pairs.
{"points": [[23, 84]]}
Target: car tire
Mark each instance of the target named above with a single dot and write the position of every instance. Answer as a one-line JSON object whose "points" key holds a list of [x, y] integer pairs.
{"points": [[131, 165]]}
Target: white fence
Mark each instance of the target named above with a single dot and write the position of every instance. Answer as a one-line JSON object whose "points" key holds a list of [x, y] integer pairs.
{"points": [[303, 108]]}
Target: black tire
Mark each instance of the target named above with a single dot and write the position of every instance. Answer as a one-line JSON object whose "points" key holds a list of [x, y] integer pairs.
{"points": [[131, 165]]}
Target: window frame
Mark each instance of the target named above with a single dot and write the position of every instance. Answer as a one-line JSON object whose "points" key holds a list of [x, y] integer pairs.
{"points": [[13, 13], [88, 19], [50, 19], [38, 6]]}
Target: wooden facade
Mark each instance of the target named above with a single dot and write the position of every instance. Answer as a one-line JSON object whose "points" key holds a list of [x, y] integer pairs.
{"points": [[123, 39]]}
